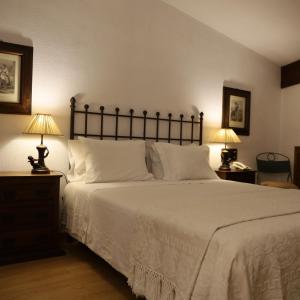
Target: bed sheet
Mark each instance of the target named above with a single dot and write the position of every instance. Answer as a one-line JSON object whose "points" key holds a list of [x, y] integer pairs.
{"points": [[77, 221], [250, 260]]}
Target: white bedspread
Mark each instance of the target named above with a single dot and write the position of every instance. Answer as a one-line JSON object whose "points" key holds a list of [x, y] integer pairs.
{"points": [[193, 240]]}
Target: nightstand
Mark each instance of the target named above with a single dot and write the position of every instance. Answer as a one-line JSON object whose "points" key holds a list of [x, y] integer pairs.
{"points": [[29, 210], [247, 176]]}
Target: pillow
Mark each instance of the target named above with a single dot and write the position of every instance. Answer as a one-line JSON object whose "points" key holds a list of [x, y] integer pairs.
{"points": [[148, 155], [108, 161], [76, 154], [156, 165], [180, 162]]}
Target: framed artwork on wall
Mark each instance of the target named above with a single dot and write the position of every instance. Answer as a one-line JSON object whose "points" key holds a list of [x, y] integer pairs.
{"points": [[15, 78], [236, 110]]}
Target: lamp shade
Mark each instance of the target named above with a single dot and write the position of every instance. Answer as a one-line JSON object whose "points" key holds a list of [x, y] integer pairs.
{"points": [[226, 136], [42, 124]]}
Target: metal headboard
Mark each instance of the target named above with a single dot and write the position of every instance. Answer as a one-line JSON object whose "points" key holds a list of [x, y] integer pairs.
{"points": [[194, 125]]}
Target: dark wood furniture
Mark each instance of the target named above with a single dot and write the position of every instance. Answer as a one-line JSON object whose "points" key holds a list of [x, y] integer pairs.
{"points": [[290, 74], [297, 166], [247, 176], [29, 209]]}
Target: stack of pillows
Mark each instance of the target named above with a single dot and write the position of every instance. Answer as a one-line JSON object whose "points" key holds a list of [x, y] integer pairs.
{"points": [[113, 161]]}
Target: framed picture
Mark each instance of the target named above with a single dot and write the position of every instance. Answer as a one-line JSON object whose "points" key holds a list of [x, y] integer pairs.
{"points": [[236, 110], [15, 78]]}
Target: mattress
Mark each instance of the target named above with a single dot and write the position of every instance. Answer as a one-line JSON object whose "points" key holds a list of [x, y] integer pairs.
{"points": [[208, 239]]}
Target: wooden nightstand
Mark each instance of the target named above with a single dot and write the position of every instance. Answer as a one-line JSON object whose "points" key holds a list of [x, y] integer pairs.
{"points": [[247, 176], [29, 209]]}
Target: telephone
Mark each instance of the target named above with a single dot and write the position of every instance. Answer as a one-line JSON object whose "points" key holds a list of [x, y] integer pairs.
{"points": [[240, 166]]}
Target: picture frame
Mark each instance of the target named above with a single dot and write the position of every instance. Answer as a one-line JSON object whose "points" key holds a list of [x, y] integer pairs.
{"points": [[15, 78], [236, 110]]}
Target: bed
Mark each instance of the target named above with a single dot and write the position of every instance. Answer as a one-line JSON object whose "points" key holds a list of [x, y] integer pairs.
{"points": [[190, 239]]}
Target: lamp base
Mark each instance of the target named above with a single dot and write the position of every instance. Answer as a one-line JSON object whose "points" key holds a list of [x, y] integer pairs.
{"points": [[41, 170], [224, 167], [38, 165], [226, 159]]}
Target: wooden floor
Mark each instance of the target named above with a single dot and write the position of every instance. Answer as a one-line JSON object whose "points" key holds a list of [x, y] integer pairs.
{"points": [[79, 275]]}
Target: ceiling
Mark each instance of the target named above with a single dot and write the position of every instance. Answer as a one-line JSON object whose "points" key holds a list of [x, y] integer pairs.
{"points": [[269, 27]]}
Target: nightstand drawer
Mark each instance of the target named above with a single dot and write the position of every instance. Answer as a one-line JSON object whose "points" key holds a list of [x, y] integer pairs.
{"points": [[25, 218], [14, 242], [248, 177], [25, 194]]}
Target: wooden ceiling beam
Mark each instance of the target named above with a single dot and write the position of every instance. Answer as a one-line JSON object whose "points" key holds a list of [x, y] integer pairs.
{"points": [[290, 74]]}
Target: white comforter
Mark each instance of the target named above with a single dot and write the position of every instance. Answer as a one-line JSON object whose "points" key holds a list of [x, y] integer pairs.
{"points": [[212, 240]]}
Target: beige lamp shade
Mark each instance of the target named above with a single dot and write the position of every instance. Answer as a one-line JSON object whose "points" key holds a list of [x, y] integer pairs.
{"points": [[42, 124], [226, 136]]}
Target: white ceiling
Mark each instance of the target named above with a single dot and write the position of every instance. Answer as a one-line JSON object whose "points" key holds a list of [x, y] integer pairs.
{"points": [[269, 27]]}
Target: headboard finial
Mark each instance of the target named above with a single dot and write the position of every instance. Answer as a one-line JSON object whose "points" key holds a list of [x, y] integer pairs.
{"points": [[73, 102], [201, 128], [72, 119]]}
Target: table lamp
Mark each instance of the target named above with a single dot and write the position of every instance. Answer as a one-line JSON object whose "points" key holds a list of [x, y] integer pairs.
{"points": [[227, 136], [44, 125]]}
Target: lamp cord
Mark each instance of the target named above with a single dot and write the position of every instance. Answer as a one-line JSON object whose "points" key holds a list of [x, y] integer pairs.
{"points": [[64, 175]]}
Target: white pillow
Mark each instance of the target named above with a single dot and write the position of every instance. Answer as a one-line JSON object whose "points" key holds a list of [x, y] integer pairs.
{"points": [[148, 156], [108, 161], [76, 153], [180, 163], [156, 165]]}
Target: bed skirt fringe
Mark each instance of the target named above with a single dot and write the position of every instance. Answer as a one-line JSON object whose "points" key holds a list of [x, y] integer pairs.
{"points": [[151, 285]]}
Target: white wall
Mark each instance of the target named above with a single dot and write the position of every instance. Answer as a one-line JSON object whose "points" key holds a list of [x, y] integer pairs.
{"points": [[131, 53], [290, 113]]}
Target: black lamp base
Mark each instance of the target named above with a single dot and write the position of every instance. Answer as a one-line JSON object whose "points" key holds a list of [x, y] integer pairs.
{"points": [[42, 170], [227, 156], [38, 165], [225, 167]]}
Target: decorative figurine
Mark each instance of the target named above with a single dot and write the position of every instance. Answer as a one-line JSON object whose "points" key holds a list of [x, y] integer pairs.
{"points": [[38, 165]]}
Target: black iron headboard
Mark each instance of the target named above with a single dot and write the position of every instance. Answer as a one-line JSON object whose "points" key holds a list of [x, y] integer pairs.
{"points": [[194, 125]]}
